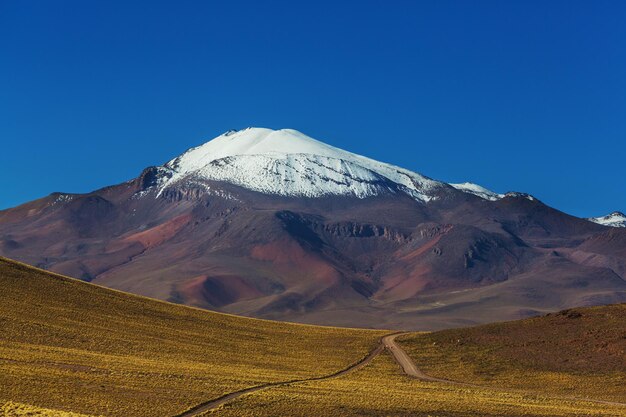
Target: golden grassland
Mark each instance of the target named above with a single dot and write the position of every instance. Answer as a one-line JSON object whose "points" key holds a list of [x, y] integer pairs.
{"points": [[381, 389], [69, 345], [578, 353], [73, 349], [12, 409]]}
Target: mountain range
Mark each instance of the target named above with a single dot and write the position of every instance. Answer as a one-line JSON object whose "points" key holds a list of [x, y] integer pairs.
{"points": [[275, 224]]}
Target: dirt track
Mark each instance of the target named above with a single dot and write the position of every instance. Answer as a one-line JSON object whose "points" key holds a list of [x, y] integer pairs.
{"points": [[407, 364]]}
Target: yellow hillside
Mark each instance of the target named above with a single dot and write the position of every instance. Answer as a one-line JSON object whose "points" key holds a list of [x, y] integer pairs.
{"points": [[70, 345]]}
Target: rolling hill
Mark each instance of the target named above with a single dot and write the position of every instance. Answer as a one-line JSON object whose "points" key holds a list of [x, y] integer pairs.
{"points": [[275, 224], [579, 352], [67, 345]]}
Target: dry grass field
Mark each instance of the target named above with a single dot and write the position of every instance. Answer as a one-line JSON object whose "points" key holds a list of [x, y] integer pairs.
{"points": [[73, 346], [380, 389], [72, 349], [578, 352], [13, 409]]}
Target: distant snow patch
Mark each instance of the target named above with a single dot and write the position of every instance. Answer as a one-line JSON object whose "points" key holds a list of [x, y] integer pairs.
{"points": [[478, 190], [615, 219]]}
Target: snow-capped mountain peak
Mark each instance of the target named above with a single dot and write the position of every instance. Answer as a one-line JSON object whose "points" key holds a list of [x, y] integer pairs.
{"points": [[615, 219], [289, 163], [253, 141]]}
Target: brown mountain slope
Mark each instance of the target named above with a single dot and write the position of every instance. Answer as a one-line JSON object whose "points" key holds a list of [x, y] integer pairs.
{"points": [[385, 261]]}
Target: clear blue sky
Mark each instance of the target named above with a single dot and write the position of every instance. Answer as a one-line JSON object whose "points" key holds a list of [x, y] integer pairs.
{"points": [[527, 96]]}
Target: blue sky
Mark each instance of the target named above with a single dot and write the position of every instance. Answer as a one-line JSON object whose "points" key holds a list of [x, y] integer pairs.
{"points": [[527, 96]]}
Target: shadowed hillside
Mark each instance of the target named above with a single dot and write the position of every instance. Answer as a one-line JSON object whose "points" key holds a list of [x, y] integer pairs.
{"points": [[581, 352]]}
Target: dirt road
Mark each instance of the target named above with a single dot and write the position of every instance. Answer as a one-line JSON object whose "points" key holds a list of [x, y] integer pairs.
{"points": [[405, 361]]}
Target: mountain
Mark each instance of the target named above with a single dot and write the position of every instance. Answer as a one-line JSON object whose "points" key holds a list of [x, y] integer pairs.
{"points": [[615, 219], [275, 224]]}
